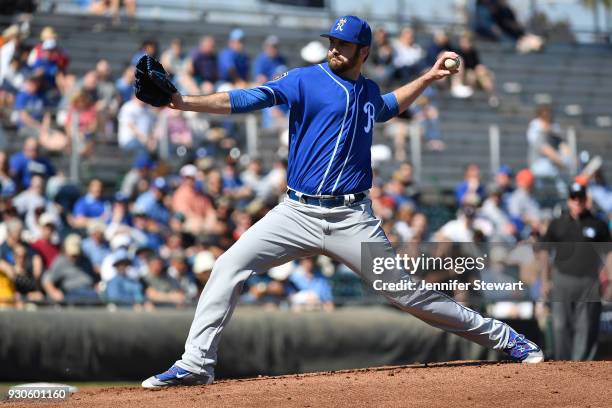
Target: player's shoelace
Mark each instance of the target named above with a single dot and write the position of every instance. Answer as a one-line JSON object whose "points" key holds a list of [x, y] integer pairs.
{"points": [[519, 347]]}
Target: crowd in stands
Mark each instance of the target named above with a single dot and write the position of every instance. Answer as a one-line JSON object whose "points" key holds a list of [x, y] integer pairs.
{"points": [[153, 239]]}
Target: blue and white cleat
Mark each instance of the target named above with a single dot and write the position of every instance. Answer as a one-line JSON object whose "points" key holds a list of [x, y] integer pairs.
{"points": [[176, 376], [523, 350]]}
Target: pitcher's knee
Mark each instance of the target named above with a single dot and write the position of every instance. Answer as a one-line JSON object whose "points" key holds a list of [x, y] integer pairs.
{"points": [[227, 264]]}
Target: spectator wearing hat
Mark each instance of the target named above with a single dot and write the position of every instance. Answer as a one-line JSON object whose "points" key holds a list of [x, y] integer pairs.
{"points": [[141, 169], [29, 161], [57, 55], [90, 207], [203, 264], [523, 208], [47, 245], [201, 72], [120, 240], [122, 289], [153, 201], [503, 183], [270, 289], [267, 63], [234, 64], [159, 286], [572, 281], [195, 206], [95, 246], [71, 275], [46, 68]]}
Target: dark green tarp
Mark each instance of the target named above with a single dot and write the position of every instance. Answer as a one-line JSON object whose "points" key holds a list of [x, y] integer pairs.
{"points": [[97, 345]]}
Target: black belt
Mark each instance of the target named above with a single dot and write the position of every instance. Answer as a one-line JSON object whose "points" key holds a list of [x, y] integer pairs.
{"points": [[327, 202]]}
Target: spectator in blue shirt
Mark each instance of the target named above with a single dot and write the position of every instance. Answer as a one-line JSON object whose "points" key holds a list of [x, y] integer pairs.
{"points": [[151, 202], [28, 162], [30, 105], [91, 206], [46, 67], [471, 189], [125, 84], [268, 62], [233, 62], [147, 229], [314, 289], [95, 246], [121, 289]]}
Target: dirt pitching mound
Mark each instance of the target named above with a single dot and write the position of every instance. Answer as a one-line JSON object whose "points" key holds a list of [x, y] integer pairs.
{"points": [[473, 384]]}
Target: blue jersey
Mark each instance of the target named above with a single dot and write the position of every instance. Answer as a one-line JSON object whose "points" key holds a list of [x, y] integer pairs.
{"points": [[331, 121]]}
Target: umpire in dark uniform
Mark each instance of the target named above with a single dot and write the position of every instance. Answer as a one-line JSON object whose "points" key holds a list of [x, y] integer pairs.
{"points": [[572, 281]]}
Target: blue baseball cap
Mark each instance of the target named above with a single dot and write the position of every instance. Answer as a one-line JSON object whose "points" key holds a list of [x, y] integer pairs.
{"points": [[505, 169], [351, 29], [160, 184]]}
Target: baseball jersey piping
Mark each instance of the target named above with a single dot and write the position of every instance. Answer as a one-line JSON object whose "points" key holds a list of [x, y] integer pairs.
{"points": [[271, 91], [341, 128], [352, 140]]}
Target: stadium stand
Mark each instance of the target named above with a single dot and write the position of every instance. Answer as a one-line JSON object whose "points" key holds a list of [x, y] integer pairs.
{"points": [[571, 74], [564, 74]]}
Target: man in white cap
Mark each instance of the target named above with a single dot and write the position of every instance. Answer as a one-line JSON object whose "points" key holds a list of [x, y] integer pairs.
{"points": [[70, 276]]}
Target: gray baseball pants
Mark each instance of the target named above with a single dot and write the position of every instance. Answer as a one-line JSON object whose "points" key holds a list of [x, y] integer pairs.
{"points": [[295, 230]]}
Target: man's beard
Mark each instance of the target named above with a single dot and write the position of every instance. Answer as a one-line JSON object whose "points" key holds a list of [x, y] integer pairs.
{"points": [[338, 67]]}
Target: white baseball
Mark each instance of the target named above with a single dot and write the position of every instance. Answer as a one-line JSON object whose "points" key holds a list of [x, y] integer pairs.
{"points": [[451, 63]]}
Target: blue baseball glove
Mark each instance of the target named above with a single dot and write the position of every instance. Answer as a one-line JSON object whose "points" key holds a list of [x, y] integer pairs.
{"points": [[152, 84]]}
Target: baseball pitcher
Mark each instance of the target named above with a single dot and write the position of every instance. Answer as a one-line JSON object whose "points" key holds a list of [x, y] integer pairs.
{"points": [[333, 109]]}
